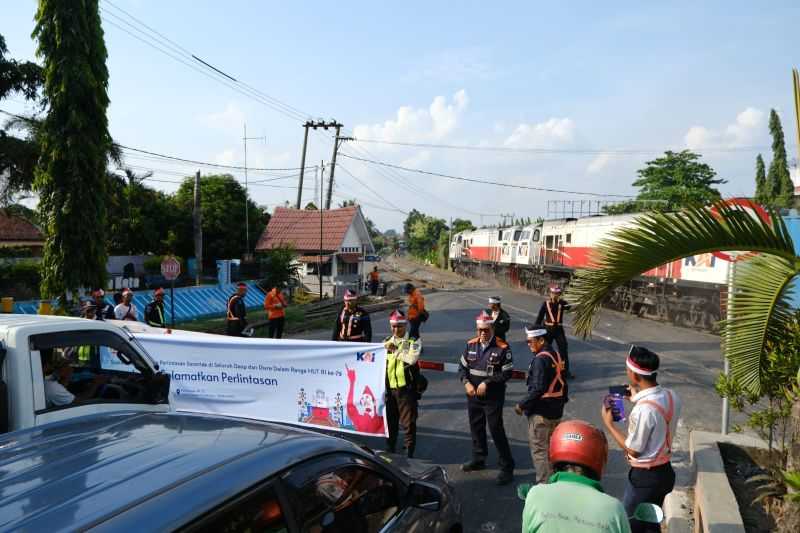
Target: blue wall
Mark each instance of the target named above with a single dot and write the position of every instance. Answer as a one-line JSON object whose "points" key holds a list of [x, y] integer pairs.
{"points": [[793, 225], [190, 302]]}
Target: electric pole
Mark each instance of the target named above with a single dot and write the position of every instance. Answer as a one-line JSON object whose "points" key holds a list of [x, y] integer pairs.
{"points": [[336, 144], [313, 124], [198, 230], [247, 194]]}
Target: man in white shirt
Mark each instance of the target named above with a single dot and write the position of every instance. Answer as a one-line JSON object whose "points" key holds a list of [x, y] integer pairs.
{"points": [[126, 310], [58, 373], [651, 426]]}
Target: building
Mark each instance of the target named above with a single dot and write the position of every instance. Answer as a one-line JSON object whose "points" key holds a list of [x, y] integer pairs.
{"points": [[17, 232], [336, 240]]}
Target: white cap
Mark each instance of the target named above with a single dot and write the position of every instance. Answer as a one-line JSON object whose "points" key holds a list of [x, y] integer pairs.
{"points": [[535, 331], [494, 299]]}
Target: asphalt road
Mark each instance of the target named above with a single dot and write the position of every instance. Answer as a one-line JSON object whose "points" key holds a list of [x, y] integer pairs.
{"points": [[690, 362]]}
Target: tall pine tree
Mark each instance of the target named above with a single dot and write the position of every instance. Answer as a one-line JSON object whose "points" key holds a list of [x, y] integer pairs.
{"points": [[761, 182], [779, 183], [75, 144]]}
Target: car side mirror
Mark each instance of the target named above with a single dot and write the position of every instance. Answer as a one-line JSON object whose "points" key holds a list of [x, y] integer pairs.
{"points": [[648, 512], [424, 495]]}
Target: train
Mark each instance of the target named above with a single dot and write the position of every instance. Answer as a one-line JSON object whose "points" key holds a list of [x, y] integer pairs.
{"points": [[690, 292]]}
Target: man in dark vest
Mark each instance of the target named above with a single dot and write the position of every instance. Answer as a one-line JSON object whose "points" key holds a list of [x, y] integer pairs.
{"points": [[551, 314], [352, 322], [237, 312], [154, 311]]}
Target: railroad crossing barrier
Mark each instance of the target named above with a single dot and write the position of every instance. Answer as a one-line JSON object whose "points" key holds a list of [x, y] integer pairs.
{"points": [[452, 368]]}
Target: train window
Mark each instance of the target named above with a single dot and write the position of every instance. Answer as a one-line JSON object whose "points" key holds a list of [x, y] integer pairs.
{"points": [[536, 235], [500, 235], [569, 238], [526, 235], [517, 233]]}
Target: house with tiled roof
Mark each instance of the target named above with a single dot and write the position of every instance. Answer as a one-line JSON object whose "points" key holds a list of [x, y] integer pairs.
{"points": [[335, 241], [17, 232]]}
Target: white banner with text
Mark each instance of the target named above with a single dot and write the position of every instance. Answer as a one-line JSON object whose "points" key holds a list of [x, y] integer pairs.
{"points": [[332, 385]]}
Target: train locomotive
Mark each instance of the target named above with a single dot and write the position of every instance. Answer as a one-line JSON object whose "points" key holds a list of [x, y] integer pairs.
{"points": [[689, 292]]}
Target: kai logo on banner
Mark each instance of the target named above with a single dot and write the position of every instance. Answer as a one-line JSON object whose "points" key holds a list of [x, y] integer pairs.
{"points": [[702, 260], [367, 357]]}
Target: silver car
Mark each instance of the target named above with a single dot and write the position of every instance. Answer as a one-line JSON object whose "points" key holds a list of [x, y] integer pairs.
{"points": [[188, 472]]}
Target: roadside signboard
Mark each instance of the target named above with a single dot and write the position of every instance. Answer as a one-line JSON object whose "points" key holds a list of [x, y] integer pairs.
{"points": [[171, 269]]}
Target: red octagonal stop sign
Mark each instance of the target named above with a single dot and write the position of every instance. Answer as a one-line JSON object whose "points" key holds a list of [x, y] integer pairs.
{"points": [[170, 268]]}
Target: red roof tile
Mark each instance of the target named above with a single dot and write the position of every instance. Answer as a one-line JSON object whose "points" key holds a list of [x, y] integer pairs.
{"points": [[15, 228], [300, 229]]}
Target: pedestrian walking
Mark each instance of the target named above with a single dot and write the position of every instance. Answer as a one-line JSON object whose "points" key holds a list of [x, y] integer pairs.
{"points": [[352, 322], [551, 314], [544, 402], [275, 306], [502, 322], [651, 427], [236, 312], [416, 310], [402, 374], [573, 500], [374, 281], [103, 311], [154, 310], [125, 310], [485, 366]]}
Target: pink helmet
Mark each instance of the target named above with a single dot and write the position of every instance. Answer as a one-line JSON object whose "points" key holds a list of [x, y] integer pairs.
{"points": [[397, 317], [349, 295], [555, 289], [484, 319]]}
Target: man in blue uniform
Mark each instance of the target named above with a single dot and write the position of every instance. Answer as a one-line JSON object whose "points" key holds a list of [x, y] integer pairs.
{"points": [[485, 366]]}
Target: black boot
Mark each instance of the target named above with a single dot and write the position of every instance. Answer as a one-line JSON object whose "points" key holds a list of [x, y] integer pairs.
{"points": [[505, 477], [473, 465]]}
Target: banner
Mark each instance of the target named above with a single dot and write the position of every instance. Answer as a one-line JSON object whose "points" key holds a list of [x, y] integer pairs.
{"points": [[332, 385]]}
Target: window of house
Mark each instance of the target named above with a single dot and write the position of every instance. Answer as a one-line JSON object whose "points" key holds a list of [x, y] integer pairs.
{"points": [[312, 269], [346, 268], [536, 234]]}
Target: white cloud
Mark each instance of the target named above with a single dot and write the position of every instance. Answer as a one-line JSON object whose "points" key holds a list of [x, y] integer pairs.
{"points": [[226, 157], [748, 128], [230, 119], [549, 134], [598, 163], [419, 124]]}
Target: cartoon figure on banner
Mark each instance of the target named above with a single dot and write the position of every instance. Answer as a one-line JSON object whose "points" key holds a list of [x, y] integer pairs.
{"points": [[320, 414], [302, 405], [365, 416], [338, 410]]}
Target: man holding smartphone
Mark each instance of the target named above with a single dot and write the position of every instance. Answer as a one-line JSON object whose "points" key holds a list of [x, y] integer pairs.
{"points": [[648, 444]]}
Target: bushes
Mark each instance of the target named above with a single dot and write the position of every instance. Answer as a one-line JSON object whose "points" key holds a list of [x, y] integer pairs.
{"points": [[20, 279]]}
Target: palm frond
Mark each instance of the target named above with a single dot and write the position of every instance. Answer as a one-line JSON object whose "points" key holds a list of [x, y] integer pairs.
{"points": [[758, 309], [659, 238]]}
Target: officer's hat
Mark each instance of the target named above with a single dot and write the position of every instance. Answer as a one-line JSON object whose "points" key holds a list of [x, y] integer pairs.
{"points": [[484, 319]]}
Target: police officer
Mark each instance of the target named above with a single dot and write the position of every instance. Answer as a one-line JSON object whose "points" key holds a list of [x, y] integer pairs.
{"points": [[154, 311], [485, 366], [502, 322], [544, 402], [237, 312], [402, 372], [551, 314], [352, 322]]}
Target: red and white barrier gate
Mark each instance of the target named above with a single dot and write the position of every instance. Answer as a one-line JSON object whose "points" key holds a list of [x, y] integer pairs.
{"points": [[453, 368]]}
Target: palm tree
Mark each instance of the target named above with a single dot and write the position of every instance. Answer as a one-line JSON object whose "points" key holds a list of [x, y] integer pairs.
{"points": [[758, 309]]}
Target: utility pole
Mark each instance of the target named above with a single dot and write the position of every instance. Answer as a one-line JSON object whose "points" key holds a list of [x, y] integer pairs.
{"points": [[246, 192], [336, 143], [449, 241], [314, 124], [198, 230], [319, 267]]}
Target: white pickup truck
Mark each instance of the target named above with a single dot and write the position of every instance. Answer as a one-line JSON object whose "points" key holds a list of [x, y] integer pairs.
{"points": [[108, 371]]}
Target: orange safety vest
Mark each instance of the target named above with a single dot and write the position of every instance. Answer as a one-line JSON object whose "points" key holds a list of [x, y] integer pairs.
{"points": [[554, 321], [558, 381], [374, 276], [416, 304], [271, 300], [665, 451]]}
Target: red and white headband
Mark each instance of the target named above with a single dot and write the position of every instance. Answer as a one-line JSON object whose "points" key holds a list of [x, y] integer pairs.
{"points": [[636, 369]]}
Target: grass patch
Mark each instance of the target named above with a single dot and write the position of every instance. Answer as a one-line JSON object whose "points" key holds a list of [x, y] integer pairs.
{"points": [[295, 322]]}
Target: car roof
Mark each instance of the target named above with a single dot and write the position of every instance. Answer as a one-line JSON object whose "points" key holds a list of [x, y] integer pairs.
{"points": [[81, 472]]}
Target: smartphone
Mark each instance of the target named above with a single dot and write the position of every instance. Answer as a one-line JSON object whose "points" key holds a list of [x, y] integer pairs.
{"points": [[620, 390], [616, 403]]}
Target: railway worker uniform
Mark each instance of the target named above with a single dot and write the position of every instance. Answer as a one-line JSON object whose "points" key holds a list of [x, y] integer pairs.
{"points": [[551, 314], [353, 322], [374, 281], [416, 310], [651, 426], [402, 372], [543, 404], [154, 311], [275, 305], [502, 322], [485, 366], [236, 312], [103, 311]]}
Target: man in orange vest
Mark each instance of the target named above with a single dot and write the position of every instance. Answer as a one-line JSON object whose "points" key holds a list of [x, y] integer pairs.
{"points": [[374, 280], [275, 305], [416, 310], [651, 426], [551, 314], [544, 402]]}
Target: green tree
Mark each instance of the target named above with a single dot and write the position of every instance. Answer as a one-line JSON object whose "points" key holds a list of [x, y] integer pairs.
{"points": [[74, 145], [779, 183], [762, 196], [278, 266], [223, 205], [676, 180], [423, 234], [20, 77], [461, 224]]}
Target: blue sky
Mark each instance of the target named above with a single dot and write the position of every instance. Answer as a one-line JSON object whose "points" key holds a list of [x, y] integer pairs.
{"points": [[573, 76]]}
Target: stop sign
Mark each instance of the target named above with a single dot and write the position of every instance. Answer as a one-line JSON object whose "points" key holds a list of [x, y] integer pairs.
{"points": [[170, 268]]}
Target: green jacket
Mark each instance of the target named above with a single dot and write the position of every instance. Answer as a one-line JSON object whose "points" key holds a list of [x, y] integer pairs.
{"points": [[401, 364]]}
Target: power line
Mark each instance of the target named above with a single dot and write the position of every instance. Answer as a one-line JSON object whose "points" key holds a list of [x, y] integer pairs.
{"points": [[575, 151], [378, 195], [203, 163], [483, 181]]}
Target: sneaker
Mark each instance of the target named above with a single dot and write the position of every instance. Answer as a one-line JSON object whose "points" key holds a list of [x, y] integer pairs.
{"points": [[505, 477], [473, 465]]}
